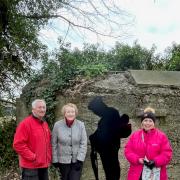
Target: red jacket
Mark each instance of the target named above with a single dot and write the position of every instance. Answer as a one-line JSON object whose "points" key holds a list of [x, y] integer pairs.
{"points": [[154, 145], [32, 141]]}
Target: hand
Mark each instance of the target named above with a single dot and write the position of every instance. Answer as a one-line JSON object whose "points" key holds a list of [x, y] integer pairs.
{"points": [[149, 164], [79, 162], [125, 130], [141, 160], [78, 165], [145, 162], [56, 165]]}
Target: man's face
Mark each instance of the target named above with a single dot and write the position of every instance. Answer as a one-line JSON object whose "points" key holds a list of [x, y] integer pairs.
{"points": [[39, 110]]}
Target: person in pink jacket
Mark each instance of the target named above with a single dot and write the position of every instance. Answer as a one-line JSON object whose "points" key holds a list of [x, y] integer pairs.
{"points": [[148, 147]]}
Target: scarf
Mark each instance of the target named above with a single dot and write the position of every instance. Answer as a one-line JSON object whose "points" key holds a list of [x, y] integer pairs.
{"points": [[69, 122]]}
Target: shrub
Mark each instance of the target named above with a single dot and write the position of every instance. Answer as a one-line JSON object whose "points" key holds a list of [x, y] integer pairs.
{"points": [[8, 157]]}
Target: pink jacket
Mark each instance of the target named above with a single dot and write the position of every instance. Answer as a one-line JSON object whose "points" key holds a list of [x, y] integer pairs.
{"points": [[154, 145]]}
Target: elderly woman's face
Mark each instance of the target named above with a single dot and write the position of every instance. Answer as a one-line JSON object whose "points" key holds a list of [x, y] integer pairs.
{"points": [[147, 124], [70, 113]]}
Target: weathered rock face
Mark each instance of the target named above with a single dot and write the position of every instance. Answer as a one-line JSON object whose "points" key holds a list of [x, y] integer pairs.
{"points": [[123, 92]]}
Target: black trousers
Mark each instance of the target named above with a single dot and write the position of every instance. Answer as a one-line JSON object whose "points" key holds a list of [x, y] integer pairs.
{"points": [[35, 174], [110, 164], [70, 171]]}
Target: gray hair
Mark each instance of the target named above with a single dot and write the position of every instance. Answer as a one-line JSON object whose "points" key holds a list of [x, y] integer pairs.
{"points": [[35, 102]]}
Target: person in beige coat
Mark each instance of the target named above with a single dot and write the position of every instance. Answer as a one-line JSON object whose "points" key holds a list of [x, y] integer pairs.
{"points": [[69, 144]]}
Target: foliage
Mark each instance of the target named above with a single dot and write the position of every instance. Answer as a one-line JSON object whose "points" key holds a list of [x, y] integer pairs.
{"points": [[8, 157], [1, 110], [21, 21], [125, 57], [91, 61], [20, 47], [92, 70], [173, 58]]}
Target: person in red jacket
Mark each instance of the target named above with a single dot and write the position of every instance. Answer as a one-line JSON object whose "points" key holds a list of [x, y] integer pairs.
{"points": [[148, 150], [32, 142]]}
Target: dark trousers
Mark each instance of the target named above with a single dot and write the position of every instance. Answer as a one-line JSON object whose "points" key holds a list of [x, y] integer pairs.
{"points": [[110, 164], [35, 174], [70, 171]]}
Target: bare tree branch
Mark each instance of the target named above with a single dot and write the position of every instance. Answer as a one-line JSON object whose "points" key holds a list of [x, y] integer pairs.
{"points": [[72, 23], [7, 102]]}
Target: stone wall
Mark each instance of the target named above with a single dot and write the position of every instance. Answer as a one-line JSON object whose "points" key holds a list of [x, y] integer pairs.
{"points": [[122, 92]]}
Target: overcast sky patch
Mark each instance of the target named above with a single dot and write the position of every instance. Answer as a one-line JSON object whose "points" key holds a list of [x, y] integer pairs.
{"points": [[156, 22]]}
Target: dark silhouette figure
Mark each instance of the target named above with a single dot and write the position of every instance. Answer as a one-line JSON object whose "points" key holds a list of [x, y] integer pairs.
{"points": [[106, 139]]}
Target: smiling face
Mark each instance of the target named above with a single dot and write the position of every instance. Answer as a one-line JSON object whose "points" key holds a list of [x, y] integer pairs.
{"points": [[70, 113], [39, 109], [147, 124]]}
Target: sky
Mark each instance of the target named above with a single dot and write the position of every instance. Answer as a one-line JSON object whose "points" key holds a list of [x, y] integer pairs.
{"points": [[155, 22]]}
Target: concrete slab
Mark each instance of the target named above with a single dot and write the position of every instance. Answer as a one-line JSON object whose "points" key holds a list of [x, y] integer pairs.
{"points": [[147, 77]]}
